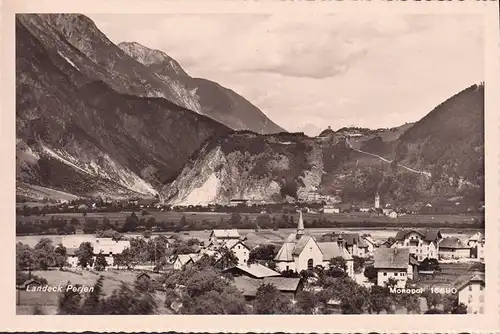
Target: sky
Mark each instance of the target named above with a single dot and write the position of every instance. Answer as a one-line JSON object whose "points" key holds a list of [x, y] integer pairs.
{"points": [[311, 71]]}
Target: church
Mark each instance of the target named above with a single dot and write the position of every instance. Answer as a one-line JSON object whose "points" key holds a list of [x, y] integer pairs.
{"points": [[302, 252]]}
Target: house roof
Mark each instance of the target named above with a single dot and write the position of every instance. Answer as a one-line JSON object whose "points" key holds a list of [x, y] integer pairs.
{"points": [[477, 237], [332, 249], [429, 235], [255, 270], [233, 242], [285, 253], [299, 241], [225, 234], [391, 258], [362, 243], [186, 258], [350, 238], [453, 243], [475, 278], [143, 274], [108, 245], [247, 286], [285, 284]]}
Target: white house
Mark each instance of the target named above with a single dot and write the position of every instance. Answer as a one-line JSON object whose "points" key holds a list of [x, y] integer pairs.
{"points": [[422, 243], [222, 235], [372, 244], [240, 250], [395, 263], [299, 252], [476, 242], [471, 293], [331, 209], [182, 260], [336, 249], [107, 246], [453, 248]]}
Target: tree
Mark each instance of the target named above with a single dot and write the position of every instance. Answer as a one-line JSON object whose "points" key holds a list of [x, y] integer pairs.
{"points": [[69, 302], [269, 300], [116, 236], [125, 300], [337, 267], [379, 299], [131, 223], [93, 300], [100, 262], [61, 256], [359, 263], [127, 258], [371, 273], [25, 258], [147, 234], [85, 254], [266, 252], [235, 219], [306, 302], [45, 253]]}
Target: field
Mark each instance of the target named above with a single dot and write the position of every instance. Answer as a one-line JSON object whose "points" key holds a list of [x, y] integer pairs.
{"points": [[26, 300], [356, 217]]}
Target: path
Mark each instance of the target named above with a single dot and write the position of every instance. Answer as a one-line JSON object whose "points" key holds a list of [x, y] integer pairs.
{"points": [[427, 174]]}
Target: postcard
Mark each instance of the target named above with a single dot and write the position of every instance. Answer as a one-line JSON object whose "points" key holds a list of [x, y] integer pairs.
{"points": [[263, 166]]}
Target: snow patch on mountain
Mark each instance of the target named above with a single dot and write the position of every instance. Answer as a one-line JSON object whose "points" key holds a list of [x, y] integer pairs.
{"points": [[68, 60]]}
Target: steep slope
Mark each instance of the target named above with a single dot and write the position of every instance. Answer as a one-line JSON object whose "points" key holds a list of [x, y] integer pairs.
{"points": [[80, 135], [272, 167], [215, 101]]}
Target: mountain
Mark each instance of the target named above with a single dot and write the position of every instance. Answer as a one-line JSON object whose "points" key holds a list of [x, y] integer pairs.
{"points": [[399, 163], [214, 101], [90, 120]]}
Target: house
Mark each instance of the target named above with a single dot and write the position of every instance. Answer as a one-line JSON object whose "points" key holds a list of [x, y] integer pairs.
{"points": [[217, 236], [334, 249], [471, 293], [143, 277], [109, 248], [30, 284], [390, 213], [422, 243], [299, 252], [453, 248], [182, 260], [254, 270], [238, 201], [248, 286], [372, 244], [364, 209], [237, 246], [72, 259], [395, 263], [330, 209], [476, 242]]}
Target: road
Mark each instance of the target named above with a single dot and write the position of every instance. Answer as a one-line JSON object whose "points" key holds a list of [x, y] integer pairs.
{"points": [[420, 172]]}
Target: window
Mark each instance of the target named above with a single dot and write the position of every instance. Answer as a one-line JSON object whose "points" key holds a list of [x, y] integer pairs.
{"points": [[481, 298], [395, 274], [403, 274], [385, 274], [481, 310], [481, 288], [470, 299], [287, 268], [310, 264], [470, 287]]}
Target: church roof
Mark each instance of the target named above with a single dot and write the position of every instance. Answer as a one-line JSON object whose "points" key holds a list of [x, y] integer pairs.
{"points": [[332, 250]]}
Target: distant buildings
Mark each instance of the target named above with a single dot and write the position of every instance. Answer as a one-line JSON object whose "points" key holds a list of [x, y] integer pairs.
{"points": [[421, 243], [453, 248], [331, 209], [471, 293], [107, 246], [395, 263], [238, 201]]}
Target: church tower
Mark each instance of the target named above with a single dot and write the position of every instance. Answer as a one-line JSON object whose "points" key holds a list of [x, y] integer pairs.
{"points": [[377, 201], [300, 225]]}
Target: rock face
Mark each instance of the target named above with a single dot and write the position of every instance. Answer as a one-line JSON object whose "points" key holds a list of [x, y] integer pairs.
{"points": [[90, 120], [435, 166], [208, 97]]}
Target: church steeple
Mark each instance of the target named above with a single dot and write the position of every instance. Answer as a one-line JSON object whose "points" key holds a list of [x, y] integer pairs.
{"points": [[300, 225]]}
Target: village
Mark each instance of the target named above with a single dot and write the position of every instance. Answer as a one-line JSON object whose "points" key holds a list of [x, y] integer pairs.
{"points": [[420, 259]]}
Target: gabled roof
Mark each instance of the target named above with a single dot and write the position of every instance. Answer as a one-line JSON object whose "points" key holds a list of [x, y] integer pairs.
{"points": [[332, 249], [475, 278], [350, 238], [225, 234], [299, 241], [186, 258], [143, 274], [428, 235], [247, 286], [391, 258], [285, 253], [233, 242], [255, 270], [477, 237], [453, 243]]}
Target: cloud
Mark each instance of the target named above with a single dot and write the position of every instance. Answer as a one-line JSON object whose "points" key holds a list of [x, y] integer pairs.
{"points": [[321, 70]]}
